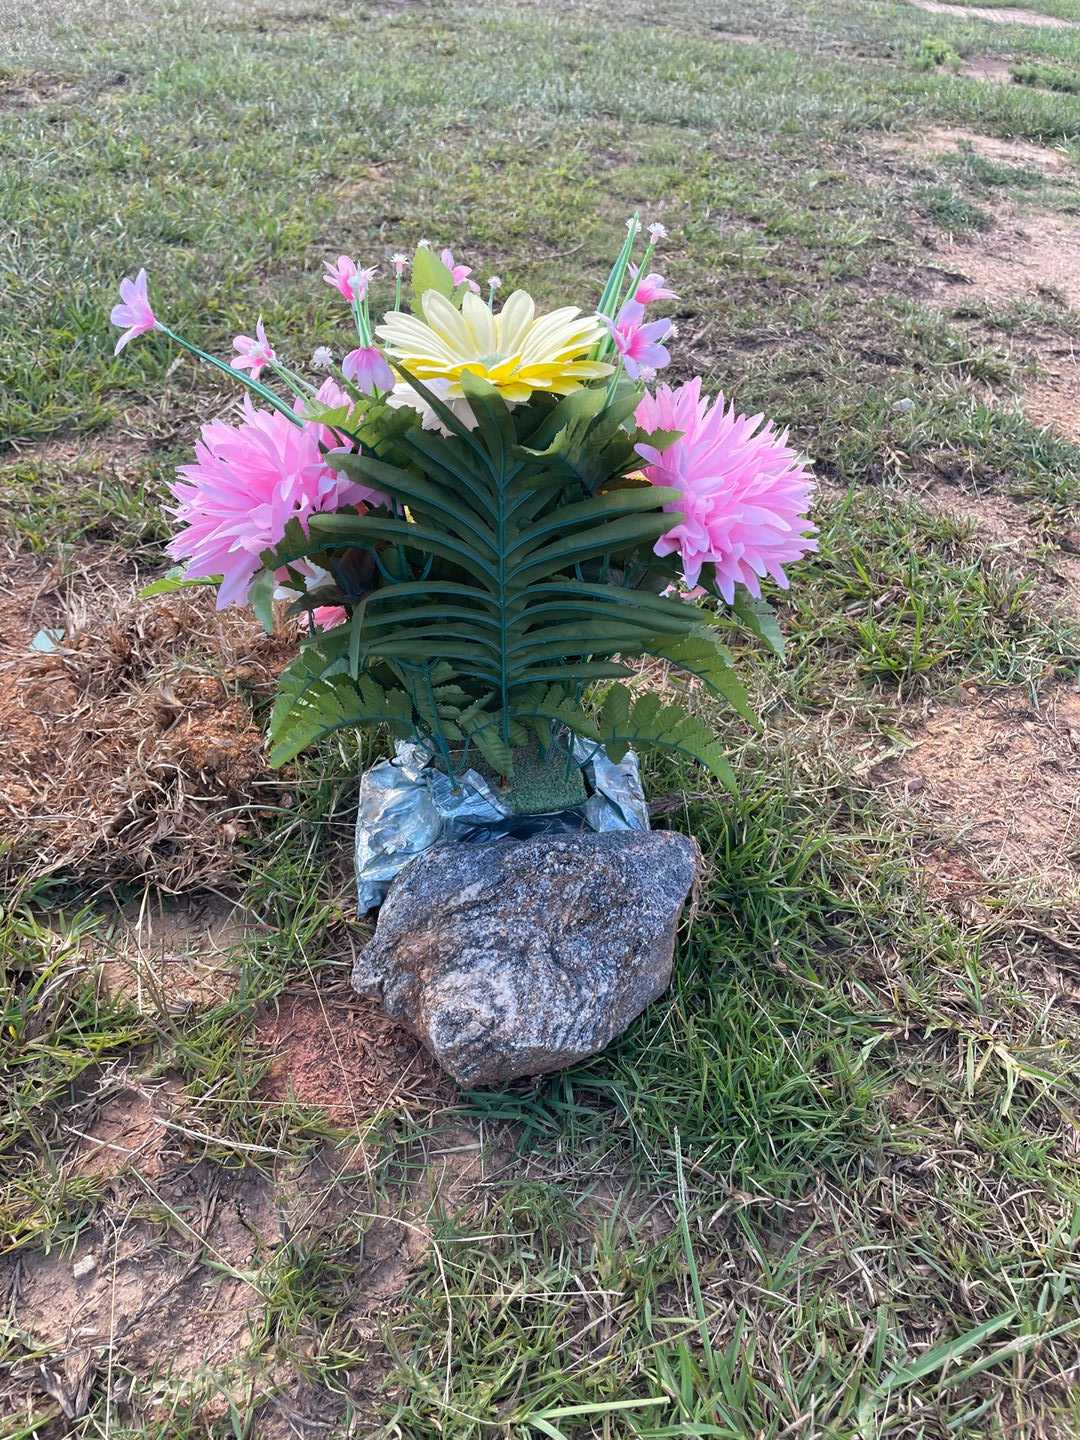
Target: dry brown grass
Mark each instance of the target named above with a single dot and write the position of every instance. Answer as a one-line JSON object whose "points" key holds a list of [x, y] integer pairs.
{"points": [[132, 752]]}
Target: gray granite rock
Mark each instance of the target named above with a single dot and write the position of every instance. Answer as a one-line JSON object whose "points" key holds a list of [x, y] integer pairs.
{"points": [[518, 957]]}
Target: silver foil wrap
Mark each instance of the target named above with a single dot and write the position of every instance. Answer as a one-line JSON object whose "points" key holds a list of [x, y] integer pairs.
{"points": [[407, 805]]}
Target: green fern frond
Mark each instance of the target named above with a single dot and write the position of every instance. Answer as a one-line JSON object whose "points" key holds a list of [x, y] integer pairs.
{"points": [[702, 654], [497, 583], [337, 703], [649, 724], [645, 724], [484, 729]]}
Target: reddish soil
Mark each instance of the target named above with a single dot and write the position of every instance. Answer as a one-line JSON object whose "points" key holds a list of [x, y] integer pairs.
{"points": [[342, 1055], [1026, 258], [167, 1285], [1033, 257], [1035, 550], [938, 140], [127, 1133], [136, 1297], [1052, 398]]}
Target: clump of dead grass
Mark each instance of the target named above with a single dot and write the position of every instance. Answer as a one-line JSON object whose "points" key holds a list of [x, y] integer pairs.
{"points": [[131, 749]]}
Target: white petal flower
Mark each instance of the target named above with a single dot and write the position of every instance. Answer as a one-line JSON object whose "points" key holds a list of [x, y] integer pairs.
{"points": [[322, 358], [403, 396]]}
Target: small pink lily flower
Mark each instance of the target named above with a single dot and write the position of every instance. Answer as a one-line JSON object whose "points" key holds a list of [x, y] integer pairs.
{"points": [[252, 354], [325, 617], [400, 263], [366, 367], [638, 345], [458, 273], [133, 311], [650, 287], [347, 278]]}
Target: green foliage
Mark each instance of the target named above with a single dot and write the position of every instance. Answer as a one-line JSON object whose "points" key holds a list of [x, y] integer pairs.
{"points": [[429, 273], [338, 702], [1047, 77], [949, 209], [173, 581], [933, 53], [758, 617], [830, 1051], [497, 585]]}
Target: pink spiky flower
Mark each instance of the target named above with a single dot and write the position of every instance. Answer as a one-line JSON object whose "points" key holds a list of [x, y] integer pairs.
{"points": [[248, 481], [744, 490], [133, 311], [253, 354], [458, 273], [638, 343]]}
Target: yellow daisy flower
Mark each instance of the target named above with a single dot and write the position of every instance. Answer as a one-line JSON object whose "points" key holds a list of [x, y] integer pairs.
{"points": [[515, 351]]}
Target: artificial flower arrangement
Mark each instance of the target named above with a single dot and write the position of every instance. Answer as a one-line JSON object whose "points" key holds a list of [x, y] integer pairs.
{"points": [[484, 511]]}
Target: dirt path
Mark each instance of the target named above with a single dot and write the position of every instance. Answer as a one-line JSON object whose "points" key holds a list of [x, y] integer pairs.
{"points": [[1003, 15]]}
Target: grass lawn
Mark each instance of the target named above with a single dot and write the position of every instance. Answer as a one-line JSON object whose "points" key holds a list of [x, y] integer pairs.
{"points": [[829, 1185]]}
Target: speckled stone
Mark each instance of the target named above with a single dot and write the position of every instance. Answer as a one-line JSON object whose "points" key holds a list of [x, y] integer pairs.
{"points": [[518, 957]]}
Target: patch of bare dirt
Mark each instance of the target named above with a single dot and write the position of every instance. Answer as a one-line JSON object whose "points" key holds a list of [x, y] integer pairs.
{"points": [[1001, 520], [1053, 398], [82, 454], [990, 69], [26, 92], [1036, 257], [1009, 528], [953, 881], [172, 956], [163, 1295], [132, 433], [166, 1304], [130, 748], [999, 781], [939, 139], [1003, 15], [1030, 258], [128, 1132], [342, 1055]]}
